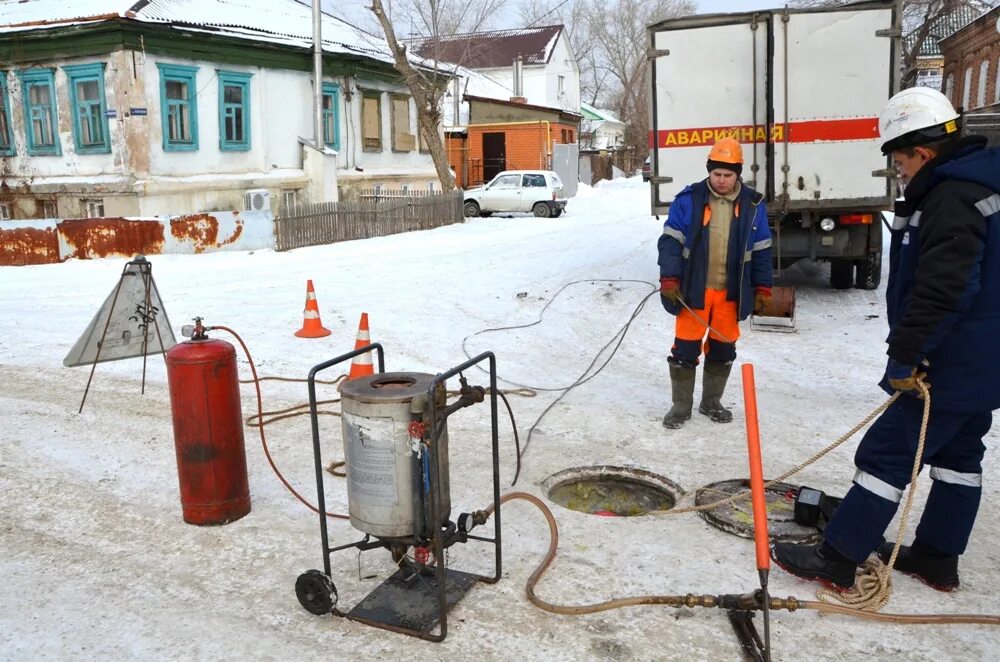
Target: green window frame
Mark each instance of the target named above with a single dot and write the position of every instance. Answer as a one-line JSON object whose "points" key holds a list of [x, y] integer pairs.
{"points": [[6, 131], [234, 111], [178, 107], [91, 133], [41, 114], [331, 115]]}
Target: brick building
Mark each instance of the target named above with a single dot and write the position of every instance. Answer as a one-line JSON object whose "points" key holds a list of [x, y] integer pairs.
{"points": [[507, 135], [972, 65]]}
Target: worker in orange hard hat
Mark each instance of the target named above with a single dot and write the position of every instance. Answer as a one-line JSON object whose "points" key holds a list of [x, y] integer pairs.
{"points": [[715, 269]]}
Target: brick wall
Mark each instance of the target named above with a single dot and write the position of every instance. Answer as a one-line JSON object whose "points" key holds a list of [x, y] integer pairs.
{"points": [[527, 147], [968, 49]]}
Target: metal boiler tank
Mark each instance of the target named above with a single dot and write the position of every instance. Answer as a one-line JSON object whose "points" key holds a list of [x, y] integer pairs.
{"points": [[385, 493]]}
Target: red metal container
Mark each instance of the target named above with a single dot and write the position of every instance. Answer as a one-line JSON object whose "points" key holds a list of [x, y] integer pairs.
{"points": [[208, 431]]}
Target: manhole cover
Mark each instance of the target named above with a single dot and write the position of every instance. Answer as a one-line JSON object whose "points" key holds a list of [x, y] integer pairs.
{"points": [[612, 491], [737, 517]]}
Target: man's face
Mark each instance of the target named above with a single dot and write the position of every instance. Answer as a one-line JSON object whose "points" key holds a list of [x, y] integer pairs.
{"points": [[722, 181], [909, 164]]}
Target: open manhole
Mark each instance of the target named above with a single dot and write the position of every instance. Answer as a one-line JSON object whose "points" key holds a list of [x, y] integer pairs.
{"points": [[737, 517], [612, 491]]}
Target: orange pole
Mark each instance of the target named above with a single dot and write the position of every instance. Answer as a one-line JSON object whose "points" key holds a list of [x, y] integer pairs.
{"points": [[757, 497], [756, 470]]}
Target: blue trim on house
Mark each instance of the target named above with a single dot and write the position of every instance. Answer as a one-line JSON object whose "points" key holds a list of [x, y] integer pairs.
{"points": [[331, 115], [180, 113], [89, 114], [234, 115], [43, 115], [7, 147]]}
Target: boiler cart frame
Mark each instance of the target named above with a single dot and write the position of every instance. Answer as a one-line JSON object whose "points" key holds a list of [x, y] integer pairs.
{"points": [[411, 585]]}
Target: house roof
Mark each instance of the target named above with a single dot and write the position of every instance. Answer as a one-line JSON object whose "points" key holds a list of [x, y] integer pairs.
{"points": [[599, 114], [494, 49], [287, 22], [942, 28], [568, 114], [988, 17]]}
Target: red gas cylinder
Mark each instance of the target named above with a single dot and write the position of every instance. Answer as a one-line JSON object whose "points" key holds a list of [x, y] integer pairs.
{"points": [[208, 431]]}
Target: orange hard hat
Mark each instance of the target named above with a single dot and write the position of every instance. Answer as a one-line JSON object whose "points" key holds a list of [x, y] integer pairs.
{"points": [[726, 150]]}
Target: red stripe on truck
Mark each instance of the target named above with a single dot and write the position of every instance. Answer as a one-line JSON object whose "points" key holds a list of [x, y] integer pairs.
{"points": [[810, 131]]}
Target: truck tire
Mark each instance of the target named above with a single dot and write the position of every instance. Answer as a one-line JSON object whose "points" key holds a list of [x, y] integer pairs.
{"points": [[841, 274], [869, 271]]}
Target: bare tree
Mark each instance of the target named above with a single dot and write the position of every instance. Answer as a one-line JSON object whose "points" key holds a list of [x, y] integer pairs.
{"points": [[619, 29], [923, 20], [427, 78], [576, 18]]}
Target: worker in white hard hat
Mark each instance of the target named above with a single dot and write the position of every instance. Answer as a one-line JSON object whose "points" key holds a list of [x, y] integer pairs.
{"points": [[943, 307]]}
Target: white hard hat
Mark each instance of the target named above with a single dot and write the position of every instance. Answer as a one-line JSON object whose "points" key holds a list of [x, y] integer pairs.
{"points": [[916, 116]]}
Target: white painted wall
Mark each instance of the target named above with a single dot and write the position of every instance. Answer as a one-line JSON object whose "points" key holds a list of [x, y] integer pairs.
{"points": [[207, 178], [541, 82], [353, 155], [70, 163]]}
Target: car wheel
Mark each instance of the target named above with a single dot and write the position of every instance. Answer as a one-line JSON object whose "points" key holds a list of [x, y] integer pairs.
{"points": [[541, 210], [471, 209]]}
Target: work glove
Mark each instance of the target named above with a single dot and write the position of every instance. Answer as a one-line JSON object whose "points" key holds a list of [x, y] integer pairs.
{"points": [[761, 297], [904, 378], [670, 289]]}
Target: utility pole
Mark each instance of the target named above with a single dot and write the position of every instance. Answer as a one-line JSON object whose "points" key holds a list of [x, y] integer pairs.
{"points": [[317, 75]]}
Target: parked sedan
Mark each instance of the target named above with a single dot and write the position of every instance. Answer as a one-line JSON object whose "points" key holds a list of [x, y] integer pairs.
{"points": [[537, 191]]}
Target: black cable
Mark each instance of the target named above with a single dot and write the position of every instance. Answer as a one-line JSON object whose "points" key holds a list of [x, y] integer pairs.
{"points": [[584, 377]]}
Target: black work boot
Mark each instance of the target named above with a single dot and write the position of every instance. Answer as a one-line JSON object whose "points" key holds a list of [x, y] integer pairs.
{"points": [[937, 570], [682, 392], [713, 385], [820, 562]]}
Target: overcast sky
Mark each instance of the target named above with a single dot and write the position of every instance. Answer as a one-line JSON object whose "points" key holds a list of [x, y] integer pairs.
{"points": [[356, 11]]}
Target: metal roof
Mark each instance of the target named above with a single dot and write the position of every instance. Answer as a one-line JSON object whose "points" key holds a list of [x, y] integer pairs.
{"points": [[944, 27], [494, 49], [286, 22]]}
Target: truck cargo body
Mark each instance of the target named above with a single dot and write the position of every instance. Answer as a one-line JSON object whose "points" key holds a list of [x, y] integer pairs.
{"points": [[801, 90]]}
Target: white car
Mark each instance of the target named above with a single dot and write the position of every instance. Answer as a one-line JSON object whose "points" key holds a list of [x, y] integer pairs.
{"points": [[537, 191]]}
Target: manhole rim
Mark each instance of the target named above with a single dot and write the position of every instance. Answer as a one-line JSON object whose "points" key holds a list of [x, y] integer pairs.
{"points": [[598, 471], [747, 531]]}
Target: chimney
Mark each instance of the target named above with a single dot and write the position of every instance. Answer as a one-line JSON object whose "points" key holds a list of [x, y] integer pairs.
{"points": [[519, 81]]}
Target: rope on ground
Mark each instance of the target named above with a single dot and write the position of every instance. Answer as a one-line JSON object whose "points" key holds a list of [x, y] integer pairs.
{"points": [[873, 585], [744, 494]]}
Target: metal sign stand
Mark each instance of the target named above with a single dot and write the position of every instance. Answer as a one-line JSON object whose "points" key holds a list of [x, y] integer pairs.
{"points": [[144, 315]]}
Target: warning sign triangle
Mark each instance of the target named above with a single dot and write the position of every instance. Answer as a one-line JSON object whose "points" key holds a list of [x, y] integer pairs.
{"points": [[131, 313]]}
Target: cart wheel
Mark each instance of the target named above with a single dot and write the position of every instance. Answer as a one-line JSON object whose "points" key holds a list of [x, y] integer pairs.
{"points": [[316, 592]]}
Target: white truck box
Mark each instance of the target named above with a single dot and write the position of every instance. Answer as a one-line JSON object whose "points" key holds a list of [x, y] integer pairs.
{"points": [[801, 90]]}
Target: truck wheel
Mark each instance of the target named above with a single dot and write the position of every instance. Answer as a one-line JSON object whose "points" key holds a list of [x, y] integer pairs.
{"points": [[841, 274], [869, 271]]}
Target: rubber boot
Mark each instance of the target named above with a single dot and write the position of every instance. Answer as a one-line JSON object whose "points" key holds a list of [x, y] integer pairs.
{"points": [[712, 387], [682, 392], [934, 568]]}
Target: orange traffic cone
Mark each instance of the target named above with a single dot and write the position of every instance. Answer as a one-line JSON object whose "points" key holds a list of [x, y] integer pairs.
{"points": [[312, 327], [362, 366]]}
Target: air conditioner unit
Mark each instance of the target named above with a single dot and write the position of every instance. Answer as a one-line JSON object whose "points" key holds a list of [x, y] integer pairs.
{"points": [[257, 199]]}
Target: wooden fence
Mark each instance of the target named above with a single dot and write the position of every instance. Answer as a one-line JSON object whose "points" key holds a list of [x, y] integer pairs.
{"points": [[375, 216]]}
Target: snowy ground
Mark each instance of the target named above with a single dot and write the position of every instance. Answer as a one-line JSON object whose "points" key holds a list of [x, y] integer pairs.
{"points": [[97, 563]]}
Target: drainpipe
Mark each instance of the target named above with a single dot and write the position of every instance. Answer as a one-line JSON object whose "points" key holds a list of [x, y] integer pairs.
{"points": [[317, 75]]}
